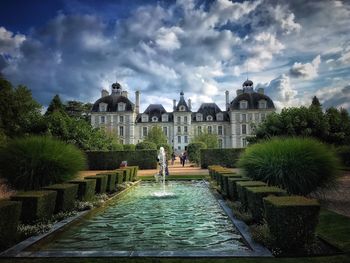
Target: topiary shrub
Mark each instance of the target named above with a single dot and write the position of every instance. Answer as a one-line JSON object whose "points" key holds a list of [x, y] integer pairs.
{"points": [[33, 162], [129, 147], [146, 146], [66, 196], [10, 212], [101, 182], [86, 189], [224, 157], [194, 151], [299, 165]]}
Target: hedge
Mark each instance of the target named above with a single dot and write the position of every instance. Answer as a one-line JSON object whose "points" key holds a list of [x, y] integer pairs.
{"points": [[111, 181], [232, 188], [66, 196], [343, 153], [120, 176], [102, 160], [86, 189], [101, 182], [292, 221], [10, 212], [255, 197], [241, 191], [224, 182], [36, 204], [135, 171], [219, 173], [224, 157]]}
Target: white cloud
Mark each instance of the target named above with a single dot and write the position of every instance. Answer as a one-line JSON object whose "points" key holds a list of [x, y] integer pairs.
{"points": [[338, 96], [10, 42], [167, 39], [307, 70]]}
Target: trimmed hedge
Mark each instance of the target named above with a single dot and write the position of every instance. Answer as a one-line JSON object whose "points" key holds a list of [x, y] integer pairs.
{"points": [[100, 160], [212, 169], [241, 190], [66, 196], [224, 157], [10, 212], [255, 197], [224, 182], [292, 221], [36, 204], [120, 176], [220, 173], [232, 188], [111, 181], [134, 172], [194, 153], [126, 174], [101, 182], [86, 189]]}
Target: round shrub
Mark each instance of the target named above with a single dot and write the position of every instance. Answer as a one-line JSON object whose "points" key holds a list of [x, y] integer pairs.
{"points": [[194, 151], [299, 165], [129, 147], [145, 145], [33, 162]]}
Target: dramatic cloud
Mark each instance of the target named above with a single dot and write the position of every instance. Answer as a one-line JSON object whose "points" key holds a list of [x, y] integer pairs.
{"points": [[335, 97], [307, 70]]}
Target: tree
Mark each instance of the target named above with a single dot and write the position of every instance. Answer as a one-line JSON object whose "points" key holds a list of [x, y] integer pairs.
{"points": [[78, 110], [194, 151], [156, 135], [18, 110], [145, 145], [55, 105], [315, 102], [209, 139]]}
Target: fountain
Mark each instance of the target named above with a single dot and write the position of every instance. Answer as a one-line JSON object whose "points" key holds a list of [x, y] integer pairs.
{"points": [[161, 175]]}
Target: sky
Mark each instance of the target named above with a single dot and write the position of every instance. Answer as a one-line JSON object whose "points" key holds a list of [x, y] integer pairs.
{"points": [[294, 49]]}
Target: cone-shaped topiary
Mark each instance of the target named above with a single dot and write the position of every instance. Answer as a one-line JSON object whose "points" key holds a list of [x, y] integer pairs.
{"points": [[33, 162], [298, 165]]}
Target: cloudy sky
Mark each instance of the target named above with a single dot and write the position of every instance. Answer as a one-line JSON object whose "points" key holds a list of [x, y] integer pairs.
{"points": [[294, 49]]}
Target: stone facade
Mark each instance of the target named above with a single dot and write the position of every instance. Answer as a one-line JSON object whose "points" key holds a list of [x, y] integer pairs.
{"points": [[117, 114]]}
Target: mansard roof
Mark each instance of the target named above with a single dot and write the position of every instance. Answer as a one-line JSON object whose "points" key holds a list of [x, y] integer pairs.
{"points": [[112, 103], [156, 110], [211, 109], [253, 99]]}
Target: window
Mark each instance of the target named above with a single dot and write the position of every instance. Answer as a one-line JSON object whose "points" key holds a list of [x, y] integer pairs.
{"points": [[144, 131], [121, 131], [178, 129], [219, 117], [103, 107], [256, 117], [199, 117], [185, 119], [244, 129], [199, 129], [250, 116], [220, 143], [244, 142], [185, 129], [121, 119], [244, 117], [165, 117], [144, 118], [178, 139], [243, 104], [182, 108], [263, 116], [210, 129], [103, 119], [178, 119], [121, 106], [220, 130], [186, 139], [262, 104], [154, 119], [209, 118], [165, 130]]}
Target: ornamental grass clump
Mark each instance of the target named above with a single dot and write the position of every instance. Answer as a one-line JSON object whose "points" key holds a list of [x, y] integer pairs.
{"points": [[30, 163], [298, 165]]}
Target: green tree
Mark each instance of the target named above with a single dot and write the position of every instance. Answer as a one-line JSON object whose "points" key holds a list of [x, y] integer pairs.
{"points": [[194, 151], [55, 105], [156, 135], [78, 110], [209, 139], [18, 109]]}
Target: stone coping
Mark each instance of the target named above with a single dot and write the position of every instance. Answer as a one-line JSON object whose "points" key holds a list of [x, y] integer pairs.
{"points": [[256, 250]]}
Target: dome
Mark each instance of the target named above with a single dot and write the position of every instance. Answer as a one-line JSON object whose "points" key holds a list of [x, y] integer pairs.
{"points": [[112, 102], [181, 93], [247, 83], [253, 99]]}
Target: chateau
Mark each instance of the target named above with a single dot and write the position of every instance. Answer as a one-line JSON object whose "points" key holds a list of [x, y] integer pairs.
{"points": [[116, 113]]}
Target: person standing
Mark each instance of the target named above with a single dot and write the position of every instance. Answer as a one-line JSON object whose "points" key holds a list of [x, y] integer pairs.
{"points": [[173, 158]]}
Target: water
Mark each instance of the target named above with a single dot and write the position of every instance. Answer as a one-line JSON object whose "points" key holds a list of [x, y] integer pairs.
{"points": [[189, 220]]}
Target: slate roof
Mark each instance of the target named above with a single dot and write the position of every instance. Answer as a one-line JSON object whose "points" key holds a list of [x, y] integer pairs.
{"points": [[210, 109], [112, 103], [253, 100], [155, 110]]}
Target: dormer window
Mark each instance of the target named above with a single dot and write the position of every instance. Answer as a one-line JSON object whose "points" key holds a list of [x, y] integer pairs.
{"points": [[103, 107], [219, 117], [243, 105], [165, 117], [154, 119], [144, 118], [121, 106], [209, 118], [182, 108], [262, 104], [199, 117]]}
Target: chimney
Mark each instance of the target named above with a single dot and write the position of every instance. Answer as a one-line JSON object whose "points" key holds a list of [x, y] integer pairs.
{"points": [[104, 93], [137, 101], [239, 92], [174, 105], [227, 99], [125, 93], [261, 90], [189, 104]]}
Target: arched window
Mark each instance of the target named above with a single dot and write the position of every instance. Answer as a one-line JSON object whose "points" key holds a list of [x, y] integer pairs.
{"points": [[209, 118], [154, 119], [182, 108]]}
